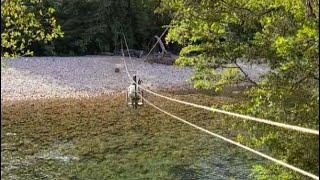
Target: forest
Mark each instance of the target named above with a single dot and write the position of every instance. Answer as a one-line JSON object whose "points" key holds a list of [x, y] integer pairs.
{"points": [[81, 27], [207, 35]]}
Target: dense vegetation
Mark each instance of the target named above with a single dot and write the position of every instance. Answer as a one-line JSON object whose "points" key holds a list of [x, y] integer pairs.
{"points": [[213, 35], [92, 27], [89, 27], [26, 22], [283, 34]]}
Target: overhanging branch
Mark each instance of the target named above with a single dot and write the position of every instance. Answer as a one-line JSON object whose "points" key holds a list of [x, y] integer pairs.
{"points": [[246, 76]]}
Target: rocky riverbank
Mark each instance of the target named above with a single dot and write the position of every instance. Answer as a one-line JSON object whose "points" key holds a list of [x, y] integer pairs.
{"points": [[64, 77]]}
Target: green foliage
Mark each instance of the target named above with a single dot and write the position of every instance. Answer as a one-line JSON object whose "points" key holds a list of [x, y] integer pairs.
{"points": [[95, 26], [213, 29], [24, 22], [90, 27], [262, 173], [227, 31], [3, 65], [283, 34]]}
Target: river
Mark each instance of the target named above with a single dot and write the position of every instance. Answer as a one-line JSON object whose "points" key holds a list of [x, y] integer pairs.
{"points": [[102, 138]]}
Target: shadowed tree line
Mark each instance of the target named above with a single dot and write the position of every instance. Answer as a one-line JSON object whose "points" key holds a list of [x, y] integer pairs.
{"points": [[88, 26]]}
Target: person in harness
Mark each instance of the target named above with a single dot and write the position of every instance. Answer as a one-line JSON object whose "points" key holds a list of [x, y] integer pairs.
{"points": [[133, 97]]}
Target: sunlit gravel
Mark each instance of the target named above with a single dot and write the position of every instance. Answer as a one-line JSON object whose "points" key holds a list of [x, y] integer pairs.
{"points": [[63, 77]]}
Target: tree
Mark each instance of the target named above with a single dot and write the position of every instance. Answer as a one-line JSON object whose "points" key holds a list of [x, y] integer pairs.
{"points": [[95, 26], [24, 22], [285, 35]]}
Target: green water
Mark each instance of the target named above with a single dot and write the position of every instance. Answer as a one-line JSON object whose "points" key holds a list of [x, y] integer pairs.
{"points": [[101, 138]]}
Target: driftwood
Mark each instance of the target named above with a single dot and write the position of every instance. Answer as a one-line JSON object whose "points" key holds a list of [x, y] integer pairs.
{"points": [[167, 59], [163, 49], [107, 53], [163, 57], [133, 53]]}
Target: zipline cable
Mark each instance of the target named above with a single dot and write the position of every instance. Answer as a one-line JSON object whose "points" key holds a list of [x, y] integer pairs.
{"points": [[125, 63], [273, 123], [234, 142], [125, 41]]}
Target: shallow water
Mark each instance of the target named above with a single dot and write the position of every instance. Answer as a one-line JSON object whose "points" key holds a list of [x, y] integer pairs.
{"points": [[101, 138]]}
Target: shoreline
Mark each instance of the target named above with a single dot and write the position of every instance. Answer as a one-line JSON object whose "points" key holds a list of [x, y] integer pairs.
{"points": [[34, 78], [89, 95]]}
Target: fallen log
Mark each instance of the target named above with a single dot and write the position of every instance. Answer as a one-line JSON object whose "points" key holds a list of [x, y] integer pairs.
{"points": [[167, 59], [133, 53]]}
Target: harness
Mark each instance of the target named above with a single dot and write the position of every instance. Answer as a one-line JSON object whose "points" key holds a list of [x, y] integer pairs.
{"points": [[133, 97]]}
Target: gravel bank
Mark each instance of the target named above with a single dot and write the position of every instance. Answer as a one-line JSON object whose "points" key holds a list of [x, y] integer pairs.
{"points": [[64, 77]]}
